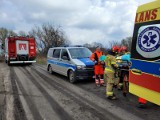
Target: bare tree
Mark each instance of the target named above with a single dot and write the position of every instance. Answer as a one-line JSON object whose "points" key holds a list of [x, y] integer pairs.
{"points": [[95, 44], [5, 33], [22, 33], [87, 45], [124, 42], [127, 42], [48, 36], [112, 43]]}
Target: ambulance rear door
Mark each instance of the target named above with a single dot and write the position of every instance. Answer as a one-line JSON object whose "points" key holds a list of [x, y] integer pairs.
{"points": [[144, 75]]}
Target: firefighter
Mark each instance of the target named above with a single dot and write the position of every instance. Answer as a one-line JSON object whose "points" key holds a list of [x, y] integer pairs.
{"points": [[98, 67], [123, 76], [122, 51], [109, 73], [116, 50]]}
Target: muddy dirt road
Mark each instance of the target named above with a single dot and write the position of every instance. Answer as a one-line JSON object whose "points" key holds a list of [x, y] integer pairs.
{"points": [[31, 93]]}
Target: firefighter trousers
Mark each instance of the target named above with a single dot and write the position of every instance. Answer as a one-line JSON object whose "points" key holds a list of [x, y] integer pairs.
{"points": [[110, 81]]}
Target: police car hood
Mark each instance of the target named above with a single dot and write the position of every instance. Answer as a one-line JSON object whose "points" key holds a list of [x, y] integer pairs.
{"points": [[83, 61]]}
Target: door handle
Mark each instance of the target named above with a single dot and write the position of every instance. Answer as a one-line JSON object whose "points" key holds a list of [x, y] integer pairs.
{"points": [[136, 71]]}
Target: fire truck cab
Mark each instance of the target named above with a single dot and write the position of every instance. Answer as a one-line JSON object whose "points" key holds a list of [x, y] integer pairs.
{"points": [[20, 50]]}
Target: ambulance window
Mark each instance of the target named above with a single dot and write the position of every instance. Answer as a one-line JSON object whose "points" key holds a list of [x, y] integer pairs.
{"points": [[148, 41], [56, 53]]}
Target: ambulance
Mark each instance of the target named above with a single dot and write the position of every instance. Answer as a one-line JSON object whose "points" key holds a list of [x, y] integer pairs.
{"points": [[20, 49], [144, 74]]}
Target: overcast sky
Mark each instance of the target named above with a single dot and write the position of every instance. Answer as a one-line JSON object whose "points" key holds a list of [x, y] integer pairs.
{"points": [[82, 20]]}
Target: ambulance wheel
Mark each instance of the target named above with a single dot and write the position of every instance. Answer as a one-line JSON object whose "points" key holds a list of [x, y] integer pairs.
{"points": [[71, 76], [50, 69]]}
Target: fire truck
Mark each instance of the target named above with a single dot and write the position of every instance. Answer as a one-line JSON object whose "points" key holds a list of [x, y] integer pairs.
{"points": [[20, 49], [144, 73]]}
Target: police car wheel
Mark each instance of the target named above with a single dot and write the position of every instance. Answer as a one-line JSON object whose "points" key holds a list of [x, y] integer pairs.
{"points": [[50, 70], [72, 77]]}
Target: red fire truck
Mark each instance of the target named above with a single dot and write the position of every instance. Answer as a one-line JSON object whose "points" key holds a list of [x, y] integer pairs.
{"points": [[20, 50]]}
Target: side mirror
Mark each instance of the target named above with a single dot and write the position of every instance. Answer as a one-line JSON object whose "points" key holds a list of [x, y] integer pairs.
{"points": [[65, 58]]}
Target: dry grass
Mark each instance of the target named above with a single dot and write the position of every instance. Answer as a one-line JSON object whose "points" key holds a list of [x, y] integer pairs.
{"points": [[41, 59]]}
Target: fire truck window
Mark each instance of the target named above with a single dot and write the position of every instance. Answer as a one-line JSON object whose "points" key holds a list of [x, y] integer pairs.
{"points": [[56, 53]]}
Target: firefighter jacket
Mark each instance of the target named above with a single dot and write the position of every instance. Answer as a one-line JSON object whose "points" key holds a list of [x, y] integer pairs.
{"points": [[110, 63]]}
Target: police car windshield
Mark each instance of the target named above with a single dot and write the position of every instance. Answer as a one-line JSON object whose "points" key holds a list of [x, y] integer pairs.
{"points": [[80, 53]]}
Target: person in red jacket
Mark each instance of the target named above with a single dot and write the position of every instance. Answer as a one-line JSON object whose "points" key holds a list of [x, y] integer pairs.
{"points": [[98, 67]]}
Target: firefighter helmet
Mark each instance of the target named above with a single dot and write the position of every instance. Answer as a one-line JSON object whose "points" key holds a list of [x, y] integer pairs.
{"points": [[116, 49], [123, 48]]}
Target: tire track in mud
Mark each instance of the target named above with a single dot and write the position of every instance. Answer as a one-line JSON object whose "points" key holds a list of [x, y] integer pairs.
{"points": [[18, 104], [62, 114], [19, 112], [3, 93], [88, 105]]}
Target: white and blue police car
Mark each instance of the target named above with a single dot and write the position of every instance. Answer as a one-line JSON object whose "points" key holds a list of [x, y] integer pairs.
{"points": [[71, 61]]}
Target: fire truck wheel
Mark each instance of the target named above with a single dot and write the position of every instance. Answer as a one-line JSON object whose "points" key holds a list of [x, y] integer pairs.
{"points": [[71, 76], [8, 62]]}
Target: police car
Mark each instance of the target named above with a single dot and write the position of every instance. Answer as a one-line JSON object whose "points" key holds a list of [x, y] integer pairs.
{"points": [[71, 61]]}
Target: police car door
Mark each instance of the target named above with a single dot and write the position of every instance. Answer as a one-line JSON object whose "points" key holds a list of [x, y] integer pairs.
{"points": [[64, 61], [55, 60]]}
